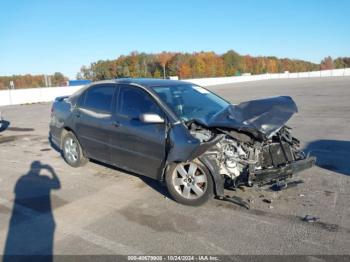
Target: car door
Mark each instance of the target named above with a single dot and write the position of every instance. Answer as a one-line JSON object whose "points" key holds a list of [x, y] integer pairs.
{"points": [[135, 145], [93, 121]]}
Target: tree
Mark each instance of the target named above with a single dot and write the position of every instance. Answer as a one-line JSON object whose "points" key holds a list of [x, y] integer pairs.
{"points": [[342, 62], [327, 63], [58, 79], [156, 73], [163, 58], [232, 62], [185, 71]]}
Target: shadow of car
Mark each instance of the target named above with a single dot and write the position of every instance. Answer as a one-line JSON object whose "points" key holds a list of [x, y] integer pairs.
{"points": [[332, 155]]}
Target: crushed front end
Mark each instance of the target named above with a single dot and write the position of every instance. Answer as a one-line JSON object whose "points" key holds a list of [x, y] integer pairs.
{"points": [[242, 159]]}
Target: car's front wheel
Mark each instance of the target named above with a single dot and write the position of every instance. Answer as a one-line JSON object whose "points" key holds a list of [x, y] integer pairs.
{"points": [[189, 183], [72, 151]]}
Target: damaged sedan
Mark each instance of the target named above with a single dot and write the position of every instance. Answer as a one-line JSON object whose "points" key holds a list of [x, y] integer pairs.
{"points": [[179, 133]]}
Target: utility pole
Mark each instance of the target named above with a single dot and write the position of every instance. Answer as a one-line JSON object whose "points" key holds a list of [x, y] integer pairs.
{"points": [[45, 79], [12, 85]]}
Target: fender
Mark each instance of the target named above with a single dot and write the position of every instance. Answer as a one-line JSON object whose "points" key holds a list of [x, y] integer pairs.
{"points": [[210, 163], [184, 147]]}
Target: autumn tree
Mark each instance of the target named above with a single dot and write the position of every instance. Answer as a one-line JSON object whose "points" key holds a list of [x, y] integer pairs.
{"points": [[232, 63], [163, 59], [342, 62], [327, 63]]}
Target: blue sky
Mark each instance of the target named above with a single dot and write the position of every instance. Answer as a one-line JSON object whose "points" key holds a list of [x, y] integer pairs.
{"points": [[38, 36]]}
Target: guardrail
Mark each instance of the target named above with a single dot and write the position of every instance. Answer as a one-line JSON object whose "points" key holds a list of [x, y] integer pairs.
{"points": [[47, 94]]}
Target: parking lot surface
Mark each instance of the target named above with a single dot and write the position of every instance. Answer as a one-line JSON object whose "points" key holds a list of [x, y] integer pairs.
{"points": [[47, 207]]}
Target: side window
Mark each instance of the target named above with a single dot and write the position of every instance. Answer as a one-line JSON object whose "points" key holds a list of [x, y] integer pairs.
{"points": [[99, 98], [134, 102]]}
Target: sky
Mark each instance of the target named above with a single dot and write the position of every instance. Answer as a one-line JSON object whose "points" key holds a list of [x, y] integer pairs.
{"points": [[47, 36]]}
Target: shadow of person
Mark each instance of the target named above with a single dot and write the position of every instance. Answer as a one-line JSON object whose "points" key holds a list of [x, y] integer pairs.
{"points": [[32, 224]]}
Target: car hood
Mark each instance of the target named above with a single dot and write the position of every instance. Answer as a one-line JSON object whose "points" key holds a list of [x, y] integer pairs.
{"points": [[262, 117]]}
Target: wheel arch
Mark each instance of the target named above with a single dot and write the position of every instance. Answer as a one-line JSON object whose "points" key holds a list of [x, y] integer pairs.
{"points": [[213, 168], [66, 130]]}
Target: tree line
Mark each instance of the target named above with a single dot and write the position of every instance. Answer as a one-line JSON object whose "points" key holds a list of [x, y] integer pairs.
{"points": [[30, 81], [197, 65], [183, 65]]}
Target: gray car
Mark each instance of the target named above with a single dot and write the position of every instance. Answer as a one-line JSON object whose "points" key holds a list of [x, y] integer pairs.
{"points": [[179, 133]]}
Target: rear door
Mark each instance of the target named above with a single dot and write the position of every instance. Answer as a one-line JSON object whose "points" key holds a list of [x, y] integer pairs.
{"points": [[135, 145], [93, 120]]}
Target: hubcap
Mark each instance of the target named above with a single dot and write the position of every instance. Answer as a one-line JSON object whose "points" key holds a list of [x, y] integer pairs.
{"points": [[71, 150], [189, 180]]}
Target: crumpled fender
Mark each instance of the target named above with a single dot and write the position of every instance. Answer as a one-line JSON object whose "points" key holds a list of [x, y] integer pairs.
{"points": [[184, 147]]}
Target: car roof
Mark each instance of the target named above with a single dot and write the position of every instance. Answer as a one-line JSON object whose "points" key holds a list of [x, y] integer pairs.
{"points": [[145, 82]]}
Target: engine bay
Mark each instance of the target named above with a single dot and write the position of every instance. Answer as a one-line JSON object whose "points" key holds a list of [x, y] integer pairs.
{"points": [[241, 156]]}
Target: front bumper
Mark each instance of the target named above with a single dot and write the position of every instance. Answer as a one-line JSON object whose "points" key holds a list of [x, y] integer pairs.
{"points": [[266, 176]]}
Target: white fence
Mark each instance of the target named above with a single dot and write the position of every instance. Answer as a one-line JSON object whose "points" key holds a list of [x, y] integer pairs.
{"points": [[35, 95], [237, 79]]}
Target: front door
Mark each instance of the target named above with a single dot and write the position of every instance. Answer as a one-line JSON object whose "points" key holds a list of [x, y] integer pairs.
{"points": [[135, 145]]}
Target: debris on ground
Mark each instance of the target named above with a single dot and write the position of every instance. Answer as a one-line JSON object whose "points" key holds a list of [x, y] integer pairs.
{"points": [[281, 185], [270, 206], [241, 188], [266, 200], [310, 219], [235, 200], [301, 195]]}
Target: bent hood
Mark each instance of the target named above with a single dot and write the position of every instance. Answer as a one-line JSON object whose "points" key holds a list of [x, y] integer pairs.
{"points": [[261, 116]]}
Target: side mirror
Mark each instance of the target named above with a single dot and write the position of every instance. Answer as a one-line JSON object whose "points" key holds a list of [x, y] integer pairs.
{"points": [[151, 118]]}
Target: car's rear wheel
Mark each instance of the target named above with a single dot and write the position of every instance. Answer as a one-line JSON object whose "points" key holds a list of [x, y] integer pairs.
{"points": [[189, 183], [72, 151]]}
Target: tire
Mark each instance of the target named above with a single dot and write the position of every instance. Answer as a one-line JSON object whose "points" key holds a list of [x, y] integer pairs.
{"points": [[190, 183], [72, 151]]}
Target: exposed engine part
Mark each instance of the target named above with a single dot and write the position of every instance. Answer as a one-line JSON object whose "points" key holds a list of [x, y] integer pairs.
{"points": [[239, 157], [202, 135], [232, 158]]}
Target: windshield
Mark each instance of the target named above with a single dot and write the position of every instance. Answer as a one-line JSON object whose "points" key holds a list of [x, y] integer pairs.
{"points": [[190, 101]]}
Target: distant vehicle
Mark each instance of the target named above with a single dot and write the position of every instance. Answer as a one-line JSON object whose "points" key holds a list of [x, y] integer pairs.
{"points": [[78, 82], [180, 133]]}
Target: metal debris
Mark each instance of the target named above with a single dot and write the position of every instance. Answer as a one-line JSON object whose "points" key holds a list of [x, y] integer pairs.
{"points": [[310, 219], [269, 201], [281, 185], [235, 200]]}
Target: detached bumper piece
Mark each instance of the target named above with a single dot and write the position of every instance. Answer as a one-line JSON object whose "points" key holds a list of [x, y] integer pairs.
{"points": [[266, 176]]}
